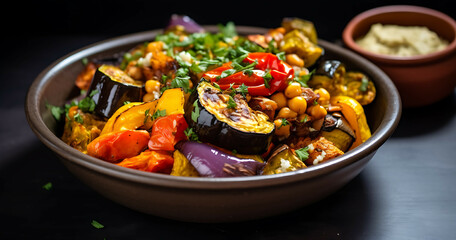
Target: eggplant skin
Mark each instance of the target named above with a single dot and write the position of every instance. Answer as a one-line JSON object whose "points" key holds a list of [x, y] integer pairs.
{"points": [[111, 91], [212, 130]]}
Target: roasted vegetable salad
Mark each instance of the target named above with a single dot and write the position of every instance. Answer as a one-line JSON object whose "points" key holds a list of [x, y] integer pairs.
{"points": [[201, 104]]}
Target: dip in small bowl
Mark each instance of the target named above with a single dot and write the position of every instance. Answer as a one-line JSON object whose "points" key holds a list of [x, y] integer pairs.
{"points": [[421, 79]]}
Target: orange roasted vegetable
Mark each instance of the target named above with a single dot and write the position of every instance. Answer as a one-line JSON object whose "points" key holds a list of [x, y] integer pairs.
{"points": [[353, 111], [167, 131], [84, 78], [137, 115], [150, 161], [80, 129], [116, 146], [130, 117]]}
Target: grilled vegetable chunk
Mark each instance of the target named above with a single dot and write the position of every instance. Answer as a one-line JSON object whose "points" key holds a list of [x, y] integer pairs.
{"points": [[113, 87], [227, 122]]}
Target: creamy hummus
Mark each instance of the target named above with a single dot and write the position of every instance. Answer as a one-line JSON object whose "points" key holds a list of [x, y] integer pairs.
{"points": [[401, 40]]}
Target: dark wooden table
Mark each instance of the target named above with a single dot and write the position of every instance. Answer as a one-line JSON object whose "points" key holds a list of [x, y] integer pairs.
{"points": [[406, 192]]}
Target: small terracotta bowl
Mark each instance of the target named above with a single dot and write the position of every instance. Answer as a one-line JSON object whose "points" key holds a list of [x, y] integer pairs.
{"points": [[421, 80]]}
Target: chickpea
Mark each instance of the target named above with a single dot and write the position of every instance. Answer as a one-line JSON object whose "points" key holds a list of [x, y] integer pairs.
{"points": [[152, 86], [286, 113], [304, 118], [317, 111], [324, 96], [148, 97], [282, 127], [293, 89], [134, 72], [280, 99], [298, 104], [294, 59]]}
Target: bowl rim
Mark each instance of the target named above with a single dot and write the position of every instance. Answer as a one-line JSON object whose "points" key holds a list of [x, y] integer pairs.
{"points": [[347, 34], [64, 151]]}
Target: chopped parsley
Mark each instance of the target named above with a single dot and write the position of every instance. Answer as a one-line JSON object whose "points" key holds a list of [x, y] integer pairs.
{"points": [[284, 122], [267, 77], [55, 111], [364, 84], [191, 135], [302, 153], [242, 89], [158, 113], [146, 115], [47, 186], [231, 103], [196, 111], [96, 224], [303, 79]]}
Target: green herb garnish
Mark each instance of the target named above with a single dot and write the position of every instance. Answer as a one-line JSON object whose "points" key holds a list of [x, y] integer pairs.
{"points": [[47, 186], [364, 84], [302, 153], [196, 111], [267, 77], [242, 89], [231, 103], [158, 113], [55, 111], [96, 224], [304, 78], [191, 135]]}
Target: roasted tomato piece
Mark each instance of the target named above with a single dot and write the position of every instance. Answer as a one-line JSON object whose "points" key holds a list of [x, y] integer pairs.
{"points": [[116, 146]]}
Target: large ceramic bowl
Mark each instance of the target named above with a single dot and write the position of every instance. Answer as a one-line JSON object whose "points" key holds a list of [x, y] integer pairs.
{"points": [[423, 79], [206, 199]]}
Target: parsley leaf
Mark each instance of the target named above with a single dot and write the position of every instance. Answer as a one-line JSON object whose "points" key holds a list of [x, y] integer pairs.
{"points": [[364, 84], [228, 31], [303, 79], [242, 89], [96, 224], [191, 135], [231, 103], [303, 153], [196, 111], [267, 77], [47, 186], [284, 122], [55, 111], [159, 113]]}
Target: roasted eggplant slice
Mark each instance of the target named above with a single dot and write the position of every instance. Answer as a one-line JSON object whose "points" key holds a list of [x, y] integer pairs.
{"points": [[111, 88], [227, 122], [338, 131], [329, 75]]}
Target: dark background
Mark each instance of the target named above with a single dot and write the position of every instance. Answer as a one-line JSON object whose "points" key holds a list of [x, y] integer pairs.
{"points": [[112, 18], [406, 192]]}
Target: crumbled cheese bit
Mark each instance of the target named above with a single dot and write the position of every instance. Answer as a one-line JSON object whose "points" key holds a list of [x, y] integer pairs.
{"points": [[311, 148], [145, 61], [186, 57], [284, 165], [319, 158]]}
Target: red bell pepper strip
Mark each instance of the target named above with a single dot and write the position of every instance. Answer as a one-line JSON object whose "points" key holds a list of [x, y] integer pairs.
{"points": [[150, 161], [116, 146], [167, 131], [280, 72]]}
